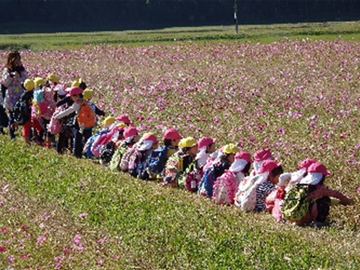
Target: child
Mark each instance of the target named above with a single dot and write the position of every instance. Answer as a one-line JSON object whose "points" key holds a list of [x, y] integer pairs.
{"points": [[27, 98], [13, 76], [37, 108], [226, 158], [177, 164], [147, 144], [76, 95], [131, 137], [259, 157], [271, 171], [226, 185], [319, 195], [206, 146], [156, 162], [192, 176], [88, 95]]}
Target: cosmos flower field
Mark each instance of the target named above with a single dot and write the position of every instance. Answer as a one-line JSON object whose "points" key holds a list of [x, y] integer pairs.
{"points": [[300, 98]]}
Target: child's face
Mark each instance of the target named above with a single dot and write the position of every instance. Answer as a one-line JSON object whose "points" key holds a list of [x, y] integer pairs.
{"points": [[155, 145], [75, 98], [136, 138], [175, 143], [193, 150], [274, 179], [231, 158], [211, 148]]}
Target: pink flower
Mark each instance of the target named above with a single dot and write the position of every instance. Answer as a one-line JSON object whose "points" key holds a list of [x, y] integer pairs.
{"points": [[41, 239], [77, 239], [24, 228], [66, 251], [3, 230], [24, 256], [358, 190], [2, 249], [58, 266], [58, 259], [10, 258], [102, 240], [82, 215]]}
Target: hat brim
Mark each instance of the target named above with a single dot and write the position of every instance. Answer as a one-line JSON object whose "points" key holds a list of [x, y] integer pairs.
{"points": [[311, 179]]}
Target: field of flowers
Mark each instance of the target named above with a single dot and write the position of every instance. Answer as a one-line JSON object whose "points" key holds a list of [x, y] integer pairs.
{"points": [[300, 98]]}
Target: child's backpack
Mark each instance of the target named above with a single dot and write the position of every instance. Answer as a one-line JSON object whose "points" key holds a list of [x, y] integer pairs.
{"points": [[191, 177], [88, 144], [55, 125], [21, 112], [134, 162], [117, 157], [156, 161], [225, 188], [296, 204], [205, 187], [86, 116], [129, 157], [245, 197], [106, 152], [173, 170]]}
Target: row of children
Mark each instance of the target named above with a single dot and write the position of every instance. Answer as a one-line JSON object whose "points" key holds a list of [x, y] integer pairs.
{"points": [[222, 175], [46, 110]]}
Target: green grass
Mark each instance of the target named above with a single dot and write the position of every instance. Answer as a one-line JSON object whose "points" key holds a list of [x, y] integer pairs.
{"points": [[148, 226], [247, 33]]}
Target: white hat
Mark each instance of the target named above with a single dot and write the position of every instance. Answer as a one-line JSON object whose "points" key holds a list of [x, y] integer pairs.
{"points": [[312, 179]]}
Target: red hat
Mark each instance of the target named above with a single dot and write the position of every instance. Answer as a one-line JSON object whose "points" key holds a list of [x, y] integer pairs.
{"points": [[130, 131], [172, 134], [317, 167], [243, 155], [123, 118], [206, 141], [75, 91], [262, 154], [269, 166], [150, 137], [305, 164]]}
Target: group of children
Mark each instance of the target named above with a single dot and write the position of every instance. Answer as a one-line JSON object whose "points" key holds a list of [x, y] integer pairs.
{"points": [[47, 110]]}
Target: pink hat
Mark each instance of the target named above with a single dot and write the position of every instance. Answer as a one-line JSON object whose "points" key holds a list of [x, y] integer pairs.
{"points": [[130, 131], [305, 164], [317, 167], [75, 91], [151, 137], [262, 154], [123, 118], [316, 172], [206, 141], [269, 166], [172, 134], [243, 155]]}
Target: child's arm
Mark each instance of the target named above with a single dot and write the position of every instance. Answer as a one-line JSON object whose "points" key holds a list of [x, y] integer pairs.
{"points": [[323, 191], [62, 102], [98, 111], [73, 108]]}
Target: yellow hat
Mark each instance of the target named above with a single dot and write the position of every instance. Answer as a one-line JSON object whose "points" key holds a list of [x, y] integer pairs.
{"points": [[108, 121], [76, 82], [88, 93], [29, 84], [187, 142], [39, 81], [53, 77], [231, 149]]}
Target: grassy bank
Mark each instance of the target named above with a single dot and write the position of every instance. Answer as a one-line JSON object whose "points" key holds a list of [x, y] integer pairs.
{"points": [[58, 211], [247, 33]]}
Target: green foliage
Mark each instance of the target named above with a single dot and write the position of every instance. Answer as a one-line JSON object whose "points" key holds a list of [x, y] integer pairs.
{"points": [[156, 227], [248, 33]]}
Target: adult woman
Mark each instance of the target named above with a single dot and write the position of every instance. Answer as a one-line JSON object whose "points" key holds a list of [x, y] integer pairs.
{"points": [[14, 75]]}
